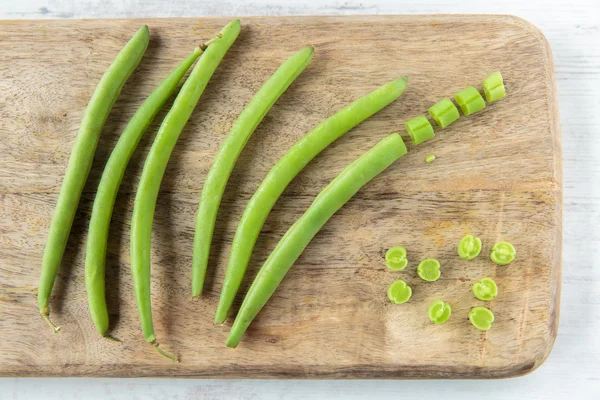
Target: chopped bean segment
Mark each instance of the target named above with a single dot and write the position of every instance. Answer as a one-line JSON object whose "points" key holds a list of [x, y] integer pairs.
{"points": [[399, 292], [470, 100], [503, 253], [419, 129], [429, 158], [439, 312], [395, 258], [493, 87], [444, 113], [481, 318], [469, 247], [429, 270], [486, 289]]}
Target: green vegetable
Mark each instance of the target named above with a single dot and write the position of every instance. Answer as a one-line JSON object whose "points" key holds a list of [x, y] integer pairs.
{"points": [[293, 243], [80, 161], [439, 312], [430, 158], [485, 289], [395, 258], [232, 146], [281, 175], [444, 113], [399, 292], [481, 318], [419, 129], [503, 253], [493, 87], [470, 101], [429, 269], [154, 169], [109, 185], [469, 247]]}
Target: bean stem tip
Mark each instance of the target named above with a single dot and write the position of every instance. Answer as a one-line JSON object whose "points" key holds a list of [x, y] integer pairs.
{"points": [[114, 339], [54, 327], [164, 353]]}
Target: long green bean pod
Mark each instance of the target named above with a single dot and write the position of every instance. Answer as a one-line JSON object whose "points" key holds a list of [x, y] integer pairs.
{"points": [[226, 157], [154, 169], [80, 161], [97, 239], [295, 240], [271, 188]]}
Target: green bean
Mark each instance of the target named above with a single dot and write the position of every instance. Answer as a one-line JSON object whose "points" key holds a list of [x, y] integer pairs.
{"points": [[295, 240], [281, 175], [226, 157], [154, 169], [109, 185], [80, 161]]}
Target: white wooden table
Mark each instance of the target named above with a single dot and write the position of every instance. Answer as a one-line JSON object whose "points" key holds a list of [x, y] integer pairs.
{"points": [[573, 369]]}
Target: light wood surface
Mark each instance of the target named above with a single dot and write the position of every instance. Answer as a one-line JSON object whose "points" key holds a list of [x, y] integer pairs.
{"points": [[497, 175]]}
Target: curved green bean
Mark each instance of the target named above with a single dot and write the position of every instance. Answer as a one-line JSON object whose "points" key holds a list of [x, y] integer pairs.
{"points": [[97, 238], [295, 240], [281, 175], [232, 146], [154, 169], [80, 161]]}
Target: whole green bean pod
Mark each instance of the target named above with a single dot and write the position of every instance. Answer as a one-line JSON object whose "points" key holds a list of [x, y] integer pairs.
{"points": [[154, 169], [271, 188], [295, 240], [80, 161], [95, 258], [226, 157]]}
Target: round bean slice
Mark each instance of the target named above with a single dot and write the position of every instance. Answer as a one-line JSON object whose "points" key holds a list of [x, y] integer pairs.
{"points": [[429, 270], [503, 253], [469, 247], [481, 318], [439, 312], [395, 258], [399, 292], [485, 289]]}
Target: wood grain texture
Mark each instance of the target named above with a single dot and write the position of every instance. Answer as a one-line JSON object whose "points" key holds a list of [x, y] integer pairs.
{"points": [[497, 175]]}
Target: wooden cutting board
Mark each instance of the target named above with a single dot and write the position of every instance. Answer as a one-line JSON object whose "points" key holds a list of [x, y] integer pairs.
{"points": [[497, 175]]}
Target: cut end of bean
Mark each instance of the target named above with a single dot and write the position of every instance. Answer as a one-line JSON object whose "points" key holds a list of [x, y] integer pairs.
{"points": [[429, 158], [470, 101], [55, 328], [493, 87], [444, 113], [232, 343], [164, 353], [419, 129]]}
